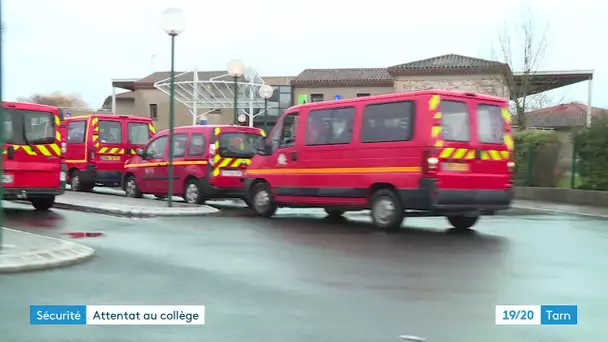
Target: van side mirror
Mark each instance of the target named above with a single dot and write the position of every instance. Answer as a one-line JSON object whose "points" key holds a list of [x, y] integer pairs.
{"points": [[140, 152], [265, 150]]}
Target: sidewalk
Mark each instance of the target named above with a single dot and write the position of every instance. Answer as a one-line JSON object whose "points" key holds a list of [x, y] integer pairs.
{"points": [[130, 207], [23, 251], [557, 208]]}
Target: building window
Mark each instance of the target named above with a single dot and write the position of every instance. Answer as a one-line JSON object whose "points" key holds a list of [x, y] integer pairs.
{"points": [[386, 122], [330, 126], [362, 94], [153, 111], [316, 97], [285, 89], [284, 100]]}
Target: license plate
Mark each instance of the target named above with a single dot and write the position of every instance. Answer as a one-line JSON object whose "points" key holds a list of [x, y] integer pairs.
{"points": [[231, 173], [7, 179], [62, 176], [110, 158], [455, 167]]}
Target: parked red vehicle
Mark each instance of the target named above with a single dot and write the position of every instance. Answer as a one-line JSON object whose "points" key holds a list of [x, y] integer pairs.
{"points": [[98, 146], [424, 153], [209, 162], [33, 165]]}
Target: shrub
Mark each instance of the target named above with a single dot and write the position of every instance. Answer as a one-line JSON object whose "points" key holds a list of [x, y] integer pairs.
{"points": [[541, 149], [591, 146]]}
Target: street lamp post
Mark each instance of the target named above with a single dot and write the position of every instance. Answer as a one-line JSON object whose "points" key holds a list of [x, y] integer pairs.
{"points": [[266, 93], [1, 131], [174, 25], [236, 69]]}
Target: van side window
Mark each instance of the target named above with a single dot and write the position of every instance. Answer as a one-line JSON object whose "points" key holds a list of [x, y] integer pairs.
{"points": [[156, 148], [455, 121], [330, 126], [76, 130], [386, 122], [179, 145], [490, 124], [197, 145], [110, 132], [285, 136]]}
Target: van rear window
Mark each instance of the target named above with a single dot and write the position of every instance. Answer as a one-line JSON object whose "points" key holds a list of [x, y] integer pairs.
{"points": [[490, 124], [138, 133], [386, 122], [455, 122], [110, 132]]}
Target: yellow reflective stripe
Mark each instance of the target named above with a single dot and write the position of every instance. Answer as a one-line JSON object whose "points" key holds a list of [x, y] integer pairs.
{"points": [[434, 102], [508, 142], [114, 150], [95, 121], [56, 148], [439, 143], [57, 136], [446, 153], [247, 161], [459, 153], [103, 150], [43, 150], [263, 133], [495, 155], [470, 155], [216, 159], [504, 154], [95, 137], [151, 128], [57, 121], [225, 162], [506, 115], [484, 155], [216, 172], [237, 162], [436, 131], [122, 151], [28, 150], [217, 131], [437, 116]]}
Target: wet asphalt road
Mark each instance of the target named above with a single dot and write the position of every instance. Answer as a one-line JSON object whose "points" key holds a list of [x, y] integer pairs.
{"points": [[300, 277]]}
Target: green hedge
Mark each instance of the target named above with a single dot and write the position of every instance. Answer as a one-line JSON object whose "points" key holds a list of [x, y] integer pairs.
{"points": [[536, 158], [591, 146]]}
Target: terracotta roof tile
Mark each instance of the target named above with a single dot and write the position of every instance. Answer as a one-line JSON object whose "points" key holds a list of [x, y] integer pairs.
{"points": [[451, 63], [565, 115], [343, 77]]}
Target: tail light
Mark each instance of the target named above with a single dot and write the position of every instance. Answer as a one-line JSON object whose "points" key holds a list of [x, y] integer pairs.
{"points": [[511, 167], [64, 147], [430, 162], [211, 153]]}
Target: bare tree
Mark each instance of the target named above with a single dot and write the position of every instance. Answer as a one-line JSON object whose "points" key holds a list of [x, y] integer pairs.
{"points": [[523, 47], [57, 99]]}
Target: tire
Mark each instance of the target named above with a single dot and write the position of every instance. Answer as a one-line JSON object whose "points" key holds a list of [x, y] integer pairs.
{"points": [[193, 192], [131, 188], [384, 200], [262, 201], [160, 197], [43, 203], [462, 222], [334, 212]]}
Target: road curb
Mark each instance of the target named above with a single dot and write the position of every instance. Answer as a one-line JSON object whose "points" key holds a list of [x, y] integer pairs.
{"points": [[66, 254], [139, 212], [558, 211]]}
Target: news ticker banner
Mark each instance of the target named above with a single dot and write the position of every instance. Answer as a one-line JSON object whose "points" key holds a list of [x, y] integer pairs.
{"points": [[536, 314], [117, 314]]}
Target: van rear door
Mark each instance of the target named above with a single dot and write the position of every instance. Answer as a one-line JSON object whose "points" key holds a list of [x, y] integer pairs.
{"points": [[491, 169], [110, 142], [456, 154]]}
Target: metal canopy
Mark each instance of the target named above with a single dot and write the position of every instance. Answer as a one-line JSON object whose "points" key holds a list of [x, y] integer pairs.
{"points": [[203, 96]]}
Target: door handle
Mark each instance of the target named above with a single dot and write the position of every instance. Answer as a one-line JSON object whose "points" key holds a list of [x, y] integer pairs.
{"points": [[478, 154], [10, 152], [294, 156]]}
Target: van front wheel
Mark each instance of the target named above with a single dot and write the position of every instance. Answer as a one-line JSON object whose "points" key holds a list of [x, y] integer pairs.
{"points": [[262, 201], [386, 210], [462, 222], [43, 203]]}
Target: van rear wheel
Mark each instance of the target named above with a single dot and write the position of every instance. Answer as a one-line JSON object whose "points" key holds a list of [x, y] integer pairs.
{"points": [[386, 209], [262, 201], [193, 193], [43, 203], [462, 222], [75, 184], [131, 188]]}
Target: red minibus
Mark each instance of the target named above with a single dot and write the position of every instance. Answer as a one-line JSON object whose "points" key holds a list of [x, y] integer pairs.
{"points": [[423, 153]]}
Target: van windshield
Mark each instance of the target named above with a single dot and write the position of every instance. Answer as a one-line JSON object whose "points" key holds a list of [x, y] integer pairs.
{"points": [[238, 144]]}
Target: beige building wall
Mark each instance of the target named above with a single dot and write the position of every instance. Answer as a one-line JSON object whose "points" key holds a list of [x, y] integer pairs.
{"points": [[126, 107], [494, 85], [345, 93]]}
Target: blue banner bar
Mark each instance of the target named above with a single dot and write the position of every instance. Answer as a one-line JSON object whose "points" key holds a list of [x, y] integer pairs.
{"points": [[58, 314], [558, 315]]}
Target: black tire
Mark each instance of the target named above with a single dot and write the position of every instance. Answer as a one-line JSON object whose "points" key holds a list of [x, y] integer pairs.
{"points": [[160, 197], [132, 188], [388, 197], [334, 212], [462, 222], [262, 189], [197, 195], [43, 203]]}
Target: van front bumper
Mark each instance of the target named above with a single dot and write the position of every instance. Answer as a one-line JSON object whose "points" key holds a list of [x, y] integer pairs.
{"points": [[25, 193], [429, 198]]}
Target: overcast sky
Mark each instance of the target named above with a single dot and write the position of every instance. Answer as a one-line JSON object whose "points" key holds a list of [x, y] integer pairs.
{"points": [[79, 46]]}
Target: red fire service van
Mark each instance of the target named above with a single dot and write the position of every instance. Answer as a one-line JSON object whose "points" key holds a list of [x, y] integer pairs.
{"points": [[424, 153], [208, 162], [98, 146], [33, 166]]}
